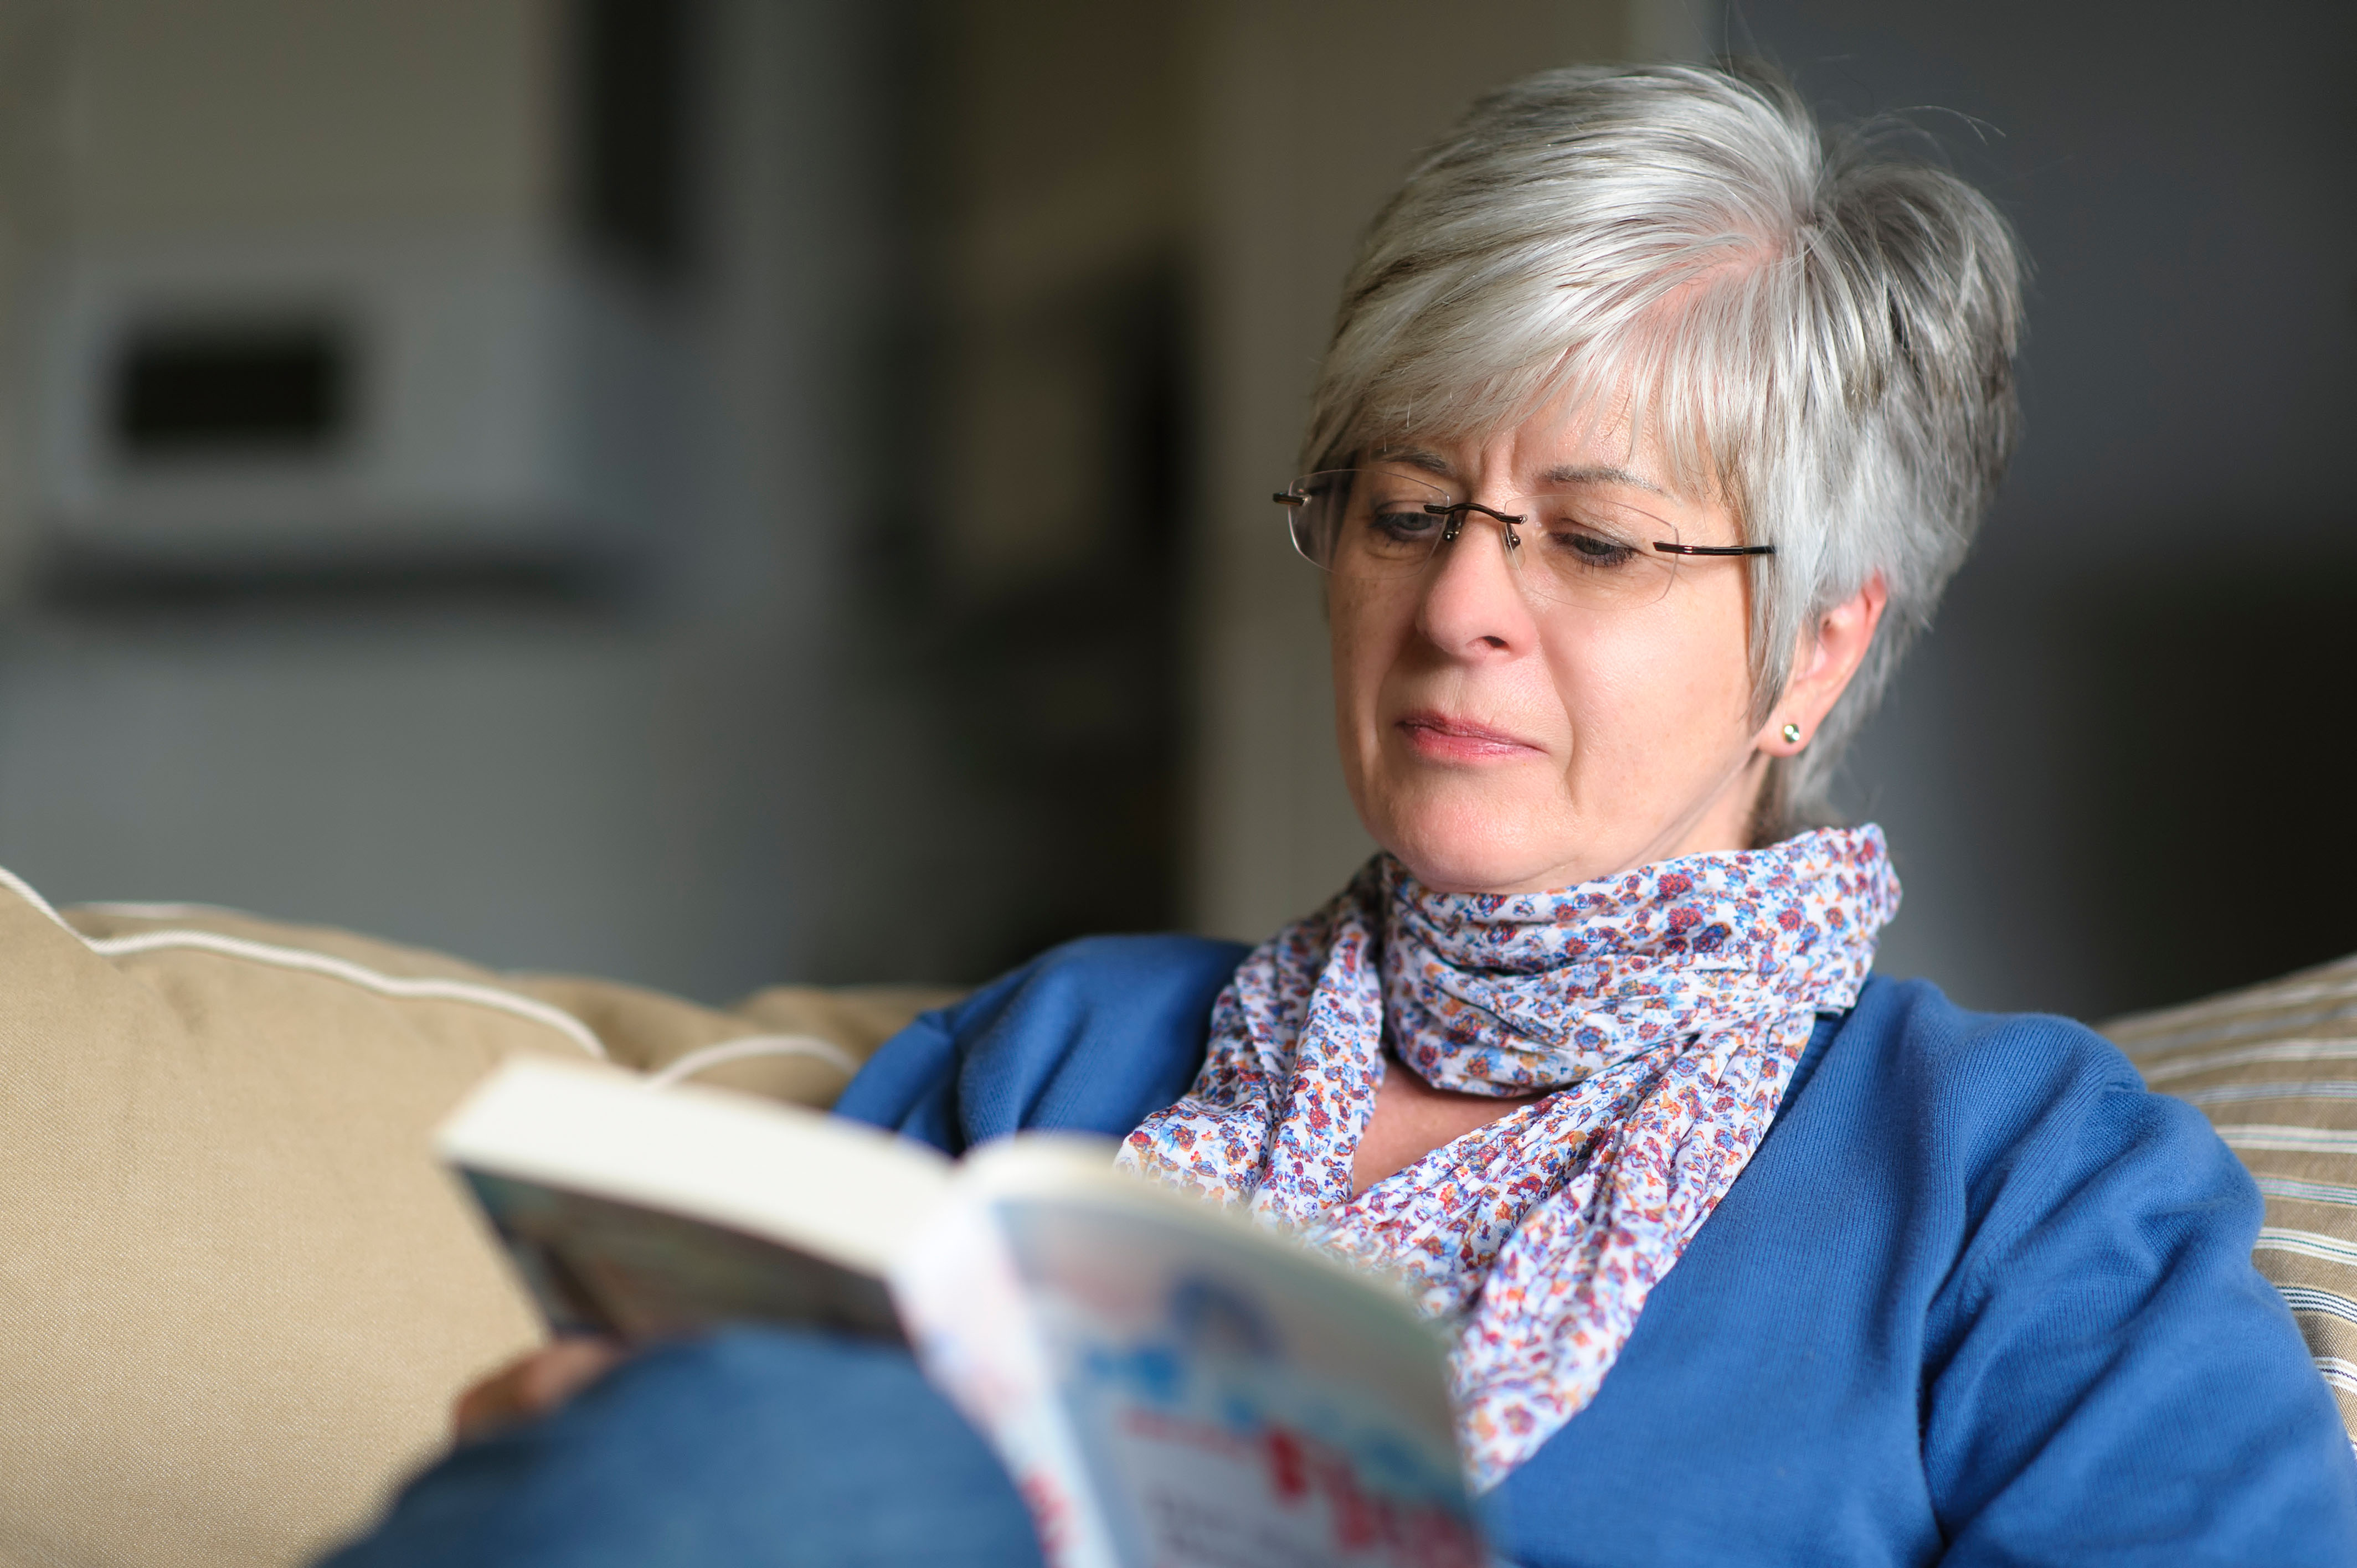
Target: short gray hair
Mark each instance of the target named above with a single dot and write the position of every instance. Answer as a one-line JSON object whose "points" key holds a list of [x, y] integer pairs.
{"points": [[1820, 329]]}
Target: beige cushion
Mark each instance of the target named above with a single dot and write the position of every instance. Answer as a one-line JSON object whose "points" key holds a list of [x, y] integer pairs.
{"points": [[2275, 1068], [238, 1295]]}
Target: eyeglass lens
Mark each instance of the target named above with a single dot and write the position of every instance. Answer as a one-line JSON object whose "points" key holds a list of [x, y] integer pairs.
{"points": [[1572, 548]]}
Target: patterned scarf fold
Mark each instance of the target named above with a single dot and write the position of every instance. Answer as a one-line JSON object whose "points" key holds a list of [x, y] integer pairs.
{"points": [[1659, 1013]]}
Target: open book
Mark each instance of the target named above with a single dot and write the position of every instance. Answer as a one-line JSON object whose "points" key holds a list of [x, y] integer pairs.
{"points": [[1168, 1384]]}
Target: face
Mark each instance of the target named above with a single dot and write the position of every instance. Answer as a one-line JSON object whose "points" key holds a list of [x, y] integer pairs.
{"points": [[1496, 740]]}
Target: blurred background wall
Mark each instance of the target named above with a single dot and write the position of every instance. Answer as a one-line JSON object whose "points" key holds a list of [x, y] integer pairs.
{"points": [[714, 491], [2118, 773]]}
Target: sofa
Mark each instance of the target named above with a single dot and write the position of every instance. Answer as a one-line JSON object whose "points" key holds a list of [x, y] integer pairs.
{"points": [[240, 1296], [238, 1293], [2274, 1069]]}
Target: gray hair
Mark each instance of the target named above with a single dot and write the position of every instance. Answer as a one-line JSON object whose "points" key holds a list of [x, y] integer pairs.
{"points": [[1818, 329]]}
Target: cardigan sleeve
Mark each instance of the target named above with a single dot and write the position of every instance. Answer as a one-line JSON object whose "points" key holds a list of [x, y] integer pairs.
{"points": [[2109, 1379], [1091, 1036]]}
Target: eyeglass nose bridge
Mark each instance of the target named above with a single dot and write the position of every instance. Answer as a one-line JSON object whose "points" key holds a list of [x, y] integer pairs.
{"points": [[1455, 512]]}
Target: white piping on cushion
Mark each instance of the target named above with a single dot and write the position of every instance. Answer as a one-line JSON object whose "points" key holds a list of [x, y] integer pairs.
{"points": [[563, 1022], [22, 889], [344, 969], [750, 1045], [133, 912]]}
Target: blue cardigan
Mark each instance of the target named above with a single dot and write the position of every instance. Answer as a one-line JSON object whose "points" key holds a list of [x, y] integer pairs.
{"points": [[1978, 1299]]}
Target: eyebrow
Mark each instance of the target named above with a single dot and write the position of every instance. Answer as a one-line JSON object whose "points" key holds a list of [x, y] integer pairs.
{"points": [[1587, 474], [1568, 474]]}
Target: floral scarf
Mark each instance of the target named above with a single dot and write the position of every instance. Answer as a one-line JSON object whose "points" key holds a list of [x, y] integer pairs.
{"points": [[1665, 1009]]}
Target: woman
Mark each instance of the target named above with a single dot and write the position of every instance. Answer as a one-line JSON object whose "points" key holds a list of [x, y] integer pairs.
{"points": [[1654, 424]]}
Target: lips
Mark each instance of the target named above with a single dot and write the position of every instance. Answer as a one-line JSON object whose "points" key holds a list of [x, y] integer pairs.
{"points": [[1448, 738]]}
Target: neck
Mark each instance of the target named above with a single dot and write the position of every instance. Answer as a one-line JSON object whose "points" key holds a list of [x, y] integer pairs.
{"points": [[1412, 1118]]}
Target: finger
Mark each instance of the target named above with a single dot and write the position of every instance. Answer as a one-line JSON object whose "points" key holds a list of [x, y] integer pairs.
{"points": [[490, 1403], [531, 1384], [561, 1370]]}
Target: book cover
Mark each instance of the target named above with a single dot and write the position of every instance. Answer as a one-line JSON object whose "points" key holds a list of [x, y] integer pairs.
{"points": [[1169, 1385]]}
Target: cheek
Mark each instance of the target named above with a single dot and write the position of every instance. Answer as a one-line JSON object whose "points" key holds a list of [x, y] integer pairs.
{"points": [[1364, 639], [1641, 695]]}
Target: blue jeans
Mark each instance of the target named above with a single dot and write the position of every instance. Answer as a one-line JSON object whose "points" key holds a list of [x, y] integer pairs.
{"points": [[750, 1449]]}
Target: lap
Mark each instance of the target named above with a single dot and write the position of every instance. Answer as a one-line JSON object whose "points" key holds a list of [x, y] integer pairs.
{"points": [[751, 1449]]}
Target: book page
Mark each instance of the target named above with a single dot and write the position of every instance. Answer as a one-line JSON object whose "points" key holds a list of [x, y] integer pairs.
{"points": [[833, 1188], [1230, 1400], [599, 1266], [649, 1212], [978, 1339]]}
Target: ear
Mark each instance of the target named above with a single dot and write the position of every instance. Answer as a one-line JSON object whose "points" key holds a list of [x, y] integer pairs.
{"points": [[1827, 654]]}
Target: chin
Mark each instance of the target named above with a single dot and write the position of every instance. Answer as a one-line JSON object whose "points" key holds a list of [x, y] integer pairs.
{"points": [[1460, 845]]}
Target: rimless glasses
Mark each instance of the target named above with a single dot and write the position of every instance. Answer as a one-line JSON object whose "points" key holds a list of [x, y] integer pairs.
{"points": [[1575, 547]]}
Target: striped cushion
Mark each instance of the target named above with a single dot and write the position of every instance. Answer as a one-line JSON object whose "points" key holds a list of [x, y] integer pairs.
{"points": [[2274, 1069]]}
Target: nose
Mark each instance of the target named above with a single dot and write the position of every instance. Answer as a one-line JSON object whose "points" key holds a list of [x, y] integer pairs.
{"points": [[1473, 605]]}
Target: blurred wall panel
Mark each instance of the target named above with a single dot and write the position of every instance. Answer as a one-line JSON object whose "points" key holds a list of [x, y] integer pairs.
{"points": [[1313, 110], [33, 125], [324, 287], [1012, 769], [613, 772], [234, 114]]}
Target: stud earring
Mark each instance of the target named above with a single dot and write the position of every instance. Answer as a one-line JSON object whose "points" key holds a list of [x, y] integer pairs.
{"points": [[1792, 735]]}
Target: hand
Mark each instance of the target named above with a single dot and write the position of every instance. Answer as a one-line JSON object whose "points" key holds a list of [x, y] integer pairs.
{"points": [[535, 1385]]}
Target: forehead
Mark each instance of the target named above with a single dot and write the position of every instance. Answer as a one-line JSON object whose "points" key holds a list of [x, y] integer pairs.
{"points": [[1567, 443], [1478, 469]]}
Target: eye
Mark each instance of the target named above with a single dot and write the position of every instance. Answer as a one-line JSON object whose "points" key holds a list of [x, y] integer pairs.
{"points": [[1404, 522], [1588, 546]]}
